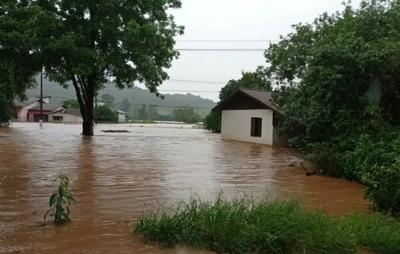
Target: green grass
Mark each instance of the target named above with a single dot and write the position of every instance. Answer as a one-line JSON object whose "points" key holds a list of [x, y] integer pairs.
{"points": [[246, 226]]}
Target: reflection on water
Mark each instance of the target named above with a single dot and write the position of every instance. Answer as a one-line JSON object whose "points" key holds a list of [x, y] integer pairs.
{"points": [[116, 177]]}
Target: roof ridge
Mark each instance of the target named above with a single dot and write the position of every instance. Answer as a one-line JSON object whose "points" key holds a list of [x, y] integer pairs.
{"points": [[255, 89]]}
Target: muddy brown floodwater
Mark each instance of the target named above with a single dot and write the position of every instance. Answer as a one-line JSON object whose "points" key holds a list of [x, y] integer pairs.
{"points": [[116, 177]]}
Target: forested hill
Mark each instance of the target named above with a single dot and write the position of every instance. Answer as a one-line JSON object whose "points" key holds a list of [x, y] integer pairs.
{"points": [[137, 97]]}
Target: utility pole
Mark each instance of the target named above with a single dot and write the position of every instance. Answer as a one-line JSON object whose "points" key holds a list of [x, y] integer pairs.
{"points": [[41, 98]]}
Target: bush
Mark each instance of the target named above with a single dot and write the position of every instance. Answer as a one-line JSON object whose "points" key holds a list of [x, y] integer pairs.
{"points": [[60, 201], [245, 226], [4, 109], [212, 122], [383, 187], [370, 159], [104, 114]]}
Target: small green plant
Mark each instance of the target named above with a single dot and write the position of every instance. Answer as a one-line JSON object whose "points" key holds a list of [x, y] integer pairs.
{"points": [[60, 201]]}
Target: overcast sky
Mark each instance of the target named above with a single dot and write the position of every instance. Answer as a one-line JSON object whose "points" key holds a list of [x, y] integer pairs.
{"points": [[233, 20]]}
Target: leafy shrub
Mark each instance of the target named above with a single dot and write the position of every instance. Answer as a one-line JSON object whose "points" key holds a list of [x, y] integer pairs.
{"points": [[212, 122], [104, 114], [370, 159], [60, 201], [4, 109], [383, 187]]}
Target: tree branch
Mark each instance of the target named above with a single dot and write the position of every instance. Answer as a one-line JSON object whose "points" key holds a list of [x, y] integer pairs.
{"points": [[78, 95]]}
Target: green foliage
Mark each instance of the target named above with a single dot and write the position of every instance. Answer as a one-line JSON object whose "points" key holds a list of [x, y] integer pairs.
{"points": [[383, 187], [378, 232], [4, 109], [333, 70], [105, 115], [18, 63], [257, 79], [213, 122], [147, 113], [186, 115], [71, 104], [246, 226], [338, 87], [90, 43], [60, 202]]}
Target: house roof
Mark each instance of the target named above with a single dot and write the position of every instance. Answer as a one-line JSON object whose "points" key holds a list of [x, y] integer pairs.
{"points": [[62, 110], [262, 98], [121, 112], [46, 106]]}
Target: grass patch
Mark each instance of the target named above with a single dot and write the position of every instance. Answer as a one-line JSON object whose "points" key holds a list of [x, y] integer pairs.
{"points": [[246, 226]]}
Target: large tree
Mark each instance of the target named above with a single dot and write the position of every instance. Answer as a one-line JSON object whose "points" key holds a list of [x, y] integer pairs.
{"points": [[333, 72], [255, 80], [88, 43], [18, 61]]}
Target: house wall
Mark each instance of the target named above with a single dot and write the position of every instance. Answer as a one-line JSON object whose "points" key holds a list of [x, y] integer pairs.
{"points": [[22, 115], [67, 118], [121, 118], [236, 125], [34, 115]]}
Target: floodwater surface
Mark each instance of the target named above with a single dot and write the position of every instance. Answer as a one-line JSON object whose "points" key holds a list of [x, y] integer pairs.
{"points": [[115, 177]]}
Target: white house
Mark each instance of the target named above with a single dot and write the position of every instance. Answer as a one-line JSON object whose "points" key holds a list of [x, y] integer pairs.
{"points": [[65, 115], [250, 116], [121, 116]]}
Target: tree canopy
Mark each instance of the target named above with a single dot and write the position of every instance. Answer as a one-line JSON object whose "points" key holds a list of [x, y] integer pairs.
{"points": [[187, 115], [338, 79], [333, 74], [256, 79], [89, 43]]}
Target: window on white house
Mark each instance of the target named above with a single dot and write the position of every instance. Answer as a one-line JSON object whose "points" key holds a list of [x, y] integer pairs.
{"points": [[256, 127], [57, 118]]}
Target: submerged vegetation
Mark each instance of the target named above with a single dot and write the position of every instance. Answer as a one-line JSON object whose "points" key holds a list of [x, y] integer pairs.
{"points": [[338, 86], [247, 226], [60, 201]]}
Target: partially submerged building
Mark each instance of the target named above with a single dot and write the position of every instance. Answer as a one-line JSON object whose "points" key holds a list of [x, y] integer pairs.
{"points": [[250, 116], [65, 115]]}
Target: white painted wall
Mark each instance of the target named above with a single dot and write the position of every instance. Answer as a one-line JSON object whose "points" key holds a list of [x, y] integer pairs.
{"points": [[121, 117], [67, 118], [236, 125]]}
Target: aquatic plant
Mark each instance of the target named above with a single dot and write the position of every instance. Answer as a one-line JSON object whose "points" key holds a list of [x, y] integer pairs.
{"points": [[268, 226], [60, 201]]}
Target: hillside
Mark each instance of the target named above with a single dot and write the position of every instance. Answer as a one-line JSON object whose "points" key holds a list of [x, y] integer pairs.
{"points": [[137, 97]]}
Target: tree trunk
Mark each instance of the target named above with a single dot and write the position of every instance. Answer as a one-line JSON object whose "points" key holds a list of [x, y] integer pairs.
{"points": [[87, 128], [88, 118]]}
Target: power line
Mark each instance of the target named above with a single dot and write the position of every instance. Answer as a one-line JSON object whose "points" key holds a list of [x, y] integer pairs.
{"points": [[239, 50], [197, 81], [169, 106], [188, 91], [230, 41]]}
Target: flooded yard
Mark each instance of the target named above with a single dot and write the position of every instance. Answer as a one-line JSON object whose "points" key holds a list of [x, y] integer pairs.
{"points": [[115, 177]]}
